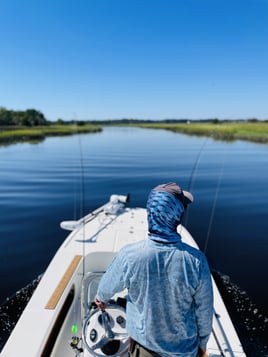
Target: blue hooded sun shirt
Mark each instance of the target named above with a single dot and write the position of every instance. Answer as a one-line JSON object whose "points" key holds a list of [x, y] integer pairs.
{"points": [[170, 299]]}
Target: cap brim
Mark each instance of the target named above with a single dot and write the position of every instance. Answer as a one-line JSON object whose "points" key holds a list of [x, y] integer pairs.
{"points": [[189, 197]]}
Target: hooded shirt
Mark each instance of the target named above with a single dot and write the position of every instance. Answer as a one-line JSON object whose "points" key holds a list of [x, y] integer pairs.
{"points": [[164, 214], [170, 300]]}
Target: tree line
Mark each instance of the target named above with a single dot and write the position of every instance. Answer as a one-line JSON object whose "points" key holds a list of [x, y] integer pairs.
{"points": [[33, 117], [29, 117]]}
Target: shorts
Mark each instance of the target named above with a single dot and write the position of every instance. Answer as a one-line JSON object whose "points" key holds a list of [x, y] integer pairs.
{"points": [[137, 350]]}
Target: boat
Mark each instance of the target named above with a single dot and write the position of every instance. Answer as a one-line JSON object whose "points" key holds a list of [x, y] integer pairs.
{"points": [[61, 318]]}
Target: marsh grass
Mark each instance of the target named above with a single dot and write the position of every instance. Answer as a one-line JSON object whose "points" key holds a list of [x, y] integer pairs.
{"points": [[40, 132], [228, 131], [256, 132]]}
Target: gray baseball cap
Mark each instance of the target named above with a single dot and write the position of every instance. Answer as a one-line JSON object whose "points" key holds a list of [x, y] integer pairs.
{"points": [[184, 197]]}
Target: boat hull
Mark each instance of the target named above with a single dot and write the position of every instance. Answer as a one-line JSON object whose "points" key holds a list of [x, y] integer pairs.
{"points": [[54, 318]]}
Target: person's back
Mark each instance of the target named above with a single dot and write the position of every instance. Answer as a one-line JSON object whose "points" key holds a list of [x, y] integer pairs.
{"points": [[169, 307]]}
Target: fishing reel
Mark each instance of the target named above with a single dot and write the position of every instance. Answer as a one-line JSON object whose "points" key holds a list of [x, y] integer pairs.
{"points": [[104, 332]]}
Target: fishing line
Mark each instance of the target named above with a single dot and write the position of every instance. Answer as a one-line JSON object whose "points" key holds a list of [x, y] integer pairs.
{"points": [[74, 327], [214, 205], [194, 169], [82, 198], [195, 165], [75, 188], [82, 191]]}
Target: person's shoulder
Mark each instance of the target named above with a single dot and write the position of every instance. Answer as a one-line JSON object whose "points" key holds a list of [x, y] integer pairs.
{"points": [[131, 252], [194, 252], [133, 247]]}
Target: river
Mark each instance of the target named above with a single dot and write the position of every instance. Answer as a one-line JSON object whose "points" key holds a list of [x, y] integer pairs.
{"points": [[61, 178]]}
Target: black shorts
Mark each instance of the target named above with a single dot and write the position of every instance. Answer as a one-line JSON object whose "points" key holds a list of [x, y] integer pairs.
{"points": [[137, 350]]}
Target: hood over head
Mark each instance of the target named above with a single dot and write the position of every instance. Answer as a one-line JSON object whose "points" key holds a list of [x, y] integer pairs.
{"points": [[165, 207]]}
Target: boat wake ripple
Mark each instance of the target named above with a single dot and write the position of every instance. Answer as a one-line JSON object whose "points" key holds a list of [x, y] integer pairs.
{"points": [[12, 308], [250, 322]]}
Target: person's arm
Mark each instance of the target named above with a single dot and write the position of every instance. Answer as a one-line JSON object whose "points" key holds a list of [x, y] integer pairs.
{"points": [[102, 305], [204, 306], [113, 280], [201, 353]]}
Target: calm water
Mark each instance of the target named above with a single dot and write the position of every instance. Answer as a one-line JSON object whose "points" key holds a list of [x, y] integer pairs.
{"points": [[41, 185]]}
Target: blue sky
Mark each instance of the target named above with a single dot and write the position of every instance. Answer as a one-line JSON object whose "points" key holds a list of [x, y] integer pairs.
{"points": [[145, 59]]}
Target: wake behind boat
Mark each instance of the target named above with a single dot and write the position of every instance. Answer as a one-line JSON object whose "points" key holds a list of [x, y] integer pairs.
{"points": [[61, 318]]}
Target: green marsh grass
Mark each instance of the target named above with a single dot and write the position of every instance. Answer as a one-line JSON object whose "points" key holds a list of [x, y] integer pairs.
{"points": [[40, 132], [256, 131]]}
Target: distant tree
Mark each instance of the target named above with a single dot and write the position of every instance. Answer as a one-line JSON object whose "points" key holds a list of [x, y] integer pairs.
{"points": [[5, 117], [215, 121], [60, 121], [80, 122], [253, 120], [34, 117], [29, 117]]}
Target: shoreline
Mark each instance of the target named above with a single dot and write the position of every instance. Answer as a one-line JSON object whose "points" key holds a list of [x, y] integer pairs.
{"points": [[36, 134], [248, 131]]}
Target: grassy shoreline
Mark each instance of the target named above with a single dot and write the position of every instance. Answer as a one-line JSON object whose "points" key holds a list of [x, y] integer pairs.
{"points": [[247, 131], [227, 131], [24, 134]]}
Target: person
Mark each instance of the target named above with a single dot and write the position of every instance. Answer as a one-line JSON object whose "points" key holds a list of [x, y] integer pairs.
{"points": [[170, 298]]}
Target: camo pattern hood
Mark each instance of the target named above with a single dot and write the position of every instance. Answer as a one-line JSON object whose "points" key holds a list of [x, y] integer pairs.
{"points": [[164, 214]]}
